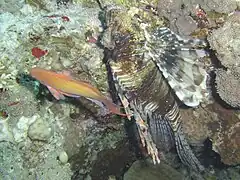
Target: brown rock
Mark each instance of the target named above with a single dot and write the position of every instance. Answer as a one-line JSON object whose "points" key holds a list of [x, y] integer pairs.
{"points": [[221, 125]]}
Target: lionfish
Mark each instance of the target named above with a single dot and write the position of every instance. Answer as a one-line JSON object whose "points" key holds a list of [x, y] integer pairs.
{"points": [[148, 66]]}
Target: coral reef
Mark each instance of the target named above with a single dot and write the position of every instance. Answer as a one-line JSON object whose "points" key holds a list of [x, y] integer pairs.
{"points": [[6, 132], [213, 121], [17, 104], [228, 84], [64, 36], [42, 138], [182, 14], [227, 46], [35, 130], [15, 166], [220, 125], [227, 50], [101, 142], [142, 171], [40, 130]]}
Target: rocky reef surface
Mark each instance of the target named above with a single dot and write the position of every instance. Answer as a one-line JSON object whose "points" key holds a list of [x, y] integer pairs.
{"points": [[226, 42], [218, 121], [38, 134], [41, 138]]}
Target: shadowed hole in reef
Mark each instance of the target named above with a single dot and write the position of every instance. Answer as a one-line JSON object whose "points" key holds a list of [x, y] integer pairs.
{"points": [[210, 157], [120, 159], [112, 162], [133, 138]]}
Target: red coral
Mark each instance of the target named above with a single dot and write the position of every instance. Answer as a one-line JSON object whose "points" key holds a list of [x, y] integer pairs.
{"points": [[37, 52]]}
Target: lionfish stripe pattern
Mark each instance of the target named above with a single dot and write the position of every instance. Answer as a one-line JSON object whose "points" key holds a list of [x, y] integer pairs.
{"points": [[145, 71], [156, 112], [178, 60]]}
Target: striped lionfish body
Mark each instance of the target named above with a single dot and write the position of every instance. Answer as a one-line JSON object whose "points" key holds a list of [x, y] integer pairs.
{"points": [[146, 65]]}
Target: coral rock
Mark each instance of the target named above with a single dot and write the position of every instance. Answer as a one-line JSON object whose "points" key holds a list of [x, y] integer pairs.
{"points": [[218, 124], [39, 130], [226, 42], [228, 85], [63, 157], [141, 171]]}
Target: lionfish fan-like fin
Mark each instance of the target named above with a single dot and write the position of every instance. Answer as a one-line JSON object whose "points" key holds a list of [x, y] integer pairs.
{"points": [[178, 60], [161, 132], [185, 152], [171, 39]]}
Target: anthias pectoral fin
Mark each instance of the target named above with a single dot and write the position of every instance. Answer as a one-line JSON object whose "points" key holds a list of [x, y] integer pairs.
{"points": [[56, 93]]}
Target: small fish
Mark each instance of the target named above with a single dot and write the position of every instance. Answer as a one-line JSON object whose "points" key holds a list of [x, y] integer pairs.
{"points": [[14, 103], [64, 18], [60, 84], [37, 52]]}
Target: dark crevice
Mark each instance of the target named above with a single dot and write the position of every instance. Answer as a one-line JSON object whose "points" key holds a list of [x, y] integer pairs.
{"points": [[210, 157], [212, 55]]}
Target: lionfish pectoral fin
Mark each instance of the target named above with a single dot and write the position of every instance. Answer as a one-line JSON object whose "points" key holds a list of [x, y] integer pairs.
{"points": [[179, 61], [58, 95], [185, 152], [161, 132]]}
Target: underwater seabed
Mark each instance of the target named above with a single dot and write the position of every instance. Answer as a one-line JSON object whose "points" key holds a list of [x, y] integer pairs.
{"points": [[45, 139]]}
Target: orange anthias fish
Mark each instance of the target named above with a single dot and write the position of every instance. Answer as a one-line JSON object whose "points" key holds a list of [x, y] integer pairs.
{"points": [[60, 84]]}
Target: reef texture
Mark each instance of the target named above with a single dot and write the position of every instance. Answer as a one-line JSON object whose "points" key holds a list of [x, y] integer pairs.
{"points": [[221, 27], [42, 138], [226, 42], [228, 84], [182, 15], [63, 34], [220, 125], [36, 129], [142, 171]]}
